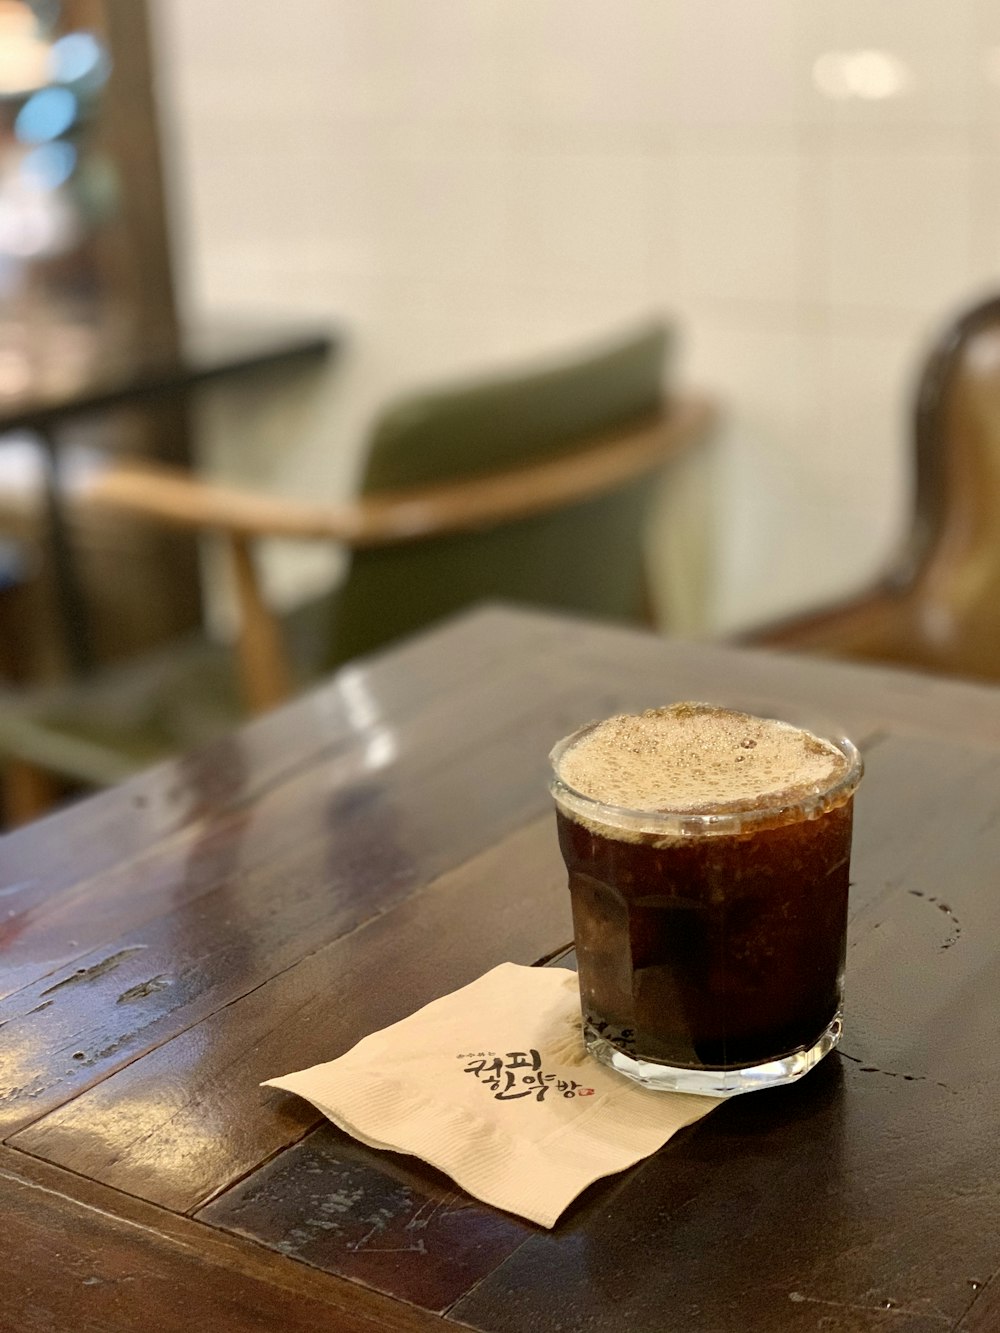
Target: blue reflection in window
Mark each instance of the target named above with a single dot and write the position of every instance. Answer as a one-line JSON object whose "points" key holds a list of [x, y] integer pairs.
{"points": [[49, 165], [78, 56], [45, 115]]}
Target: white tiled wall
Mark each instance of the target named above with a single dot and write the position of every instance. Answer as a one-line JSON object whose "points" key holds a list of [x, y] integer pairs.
{"points": [[464, 182]]}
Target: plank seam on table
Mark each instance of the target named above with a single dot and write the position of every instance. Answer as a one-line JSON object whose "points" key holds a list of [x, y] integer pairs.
{"points": [[229, 1226], [388, 658], [204, 1018], [961, 1317], [237, 1179], [212, 888], [901, 752], [549, 958], [174, 1212], [254, 1259], [156, 853], [417, 895], [179, 839], [545, 961], [419, 892], [359, 925], [988, 1286], [186, 833], [448, 1310]]}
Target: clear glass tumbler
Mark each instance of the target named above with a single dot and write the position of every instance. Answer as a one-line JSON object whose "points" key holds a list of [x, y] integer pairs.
{"points": [[710, 946]]}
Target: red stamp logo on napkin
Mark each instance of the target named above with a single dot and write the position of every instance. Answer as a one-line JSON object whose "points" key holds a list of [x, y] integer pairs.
{"points": [[519, 1074]]}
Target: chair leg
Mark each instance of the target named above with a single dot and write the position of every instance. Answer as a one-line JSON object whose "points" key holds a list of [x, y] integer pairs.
{"points": [[26, 792], [648, 614], [264, 670]]}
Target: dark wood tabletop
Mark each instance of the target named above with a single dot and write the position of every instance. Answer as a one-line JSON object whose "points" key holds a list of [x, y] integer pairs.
{"points": [[262, 905]]}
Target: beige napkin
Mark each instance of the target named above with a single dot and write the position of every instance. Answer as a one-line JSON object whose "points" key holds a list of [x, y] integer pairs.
{"points": [[492, 1085]]}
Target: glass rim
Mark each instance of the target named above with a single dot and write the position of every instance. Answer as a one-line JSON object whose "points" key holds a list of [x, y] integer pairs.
{"points": [[725, 819]]}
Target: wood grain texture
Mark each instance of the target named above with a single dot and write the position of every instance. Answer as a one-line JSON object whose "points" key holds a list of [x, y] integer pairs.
{"points": [[80, 1257], [113, 829], [180, 1124], [347, 829], [741, 1222], [871, 1188], [81, 878], [984, 1315], [380, 1218], [344, 860], [345, 843], [173, 795]]}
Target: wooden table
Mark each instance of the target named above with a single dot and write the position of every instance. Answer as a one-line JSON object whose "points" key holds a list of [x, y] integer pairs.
{"points": [[262, 905]]}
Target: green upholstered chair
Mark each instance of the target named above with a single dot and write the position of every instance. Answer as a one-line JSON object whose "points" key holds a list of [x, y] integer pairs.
{"points": [[530, 487], [581, 556]]}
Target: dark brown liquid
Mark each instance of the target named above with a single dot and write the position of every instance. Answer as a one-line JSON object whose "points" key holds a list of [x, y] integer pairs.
{"points": [[715, 952]]}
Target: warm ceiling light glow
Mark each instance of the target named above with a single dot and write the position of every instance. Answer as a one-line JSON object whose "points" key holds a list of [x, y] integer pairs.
{"points": [[868, 75], [24, 56], [15, 376]]}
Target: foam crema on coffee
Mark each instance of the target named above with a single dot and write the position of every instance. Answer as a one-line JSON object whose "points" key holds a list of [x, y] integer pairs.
{"points": [[708, 860], [693, 758]]}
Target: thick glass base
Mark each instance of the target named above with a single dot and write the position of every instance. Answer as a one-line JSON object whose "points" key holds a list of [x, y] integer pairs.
{"points": [[714, 1082]]}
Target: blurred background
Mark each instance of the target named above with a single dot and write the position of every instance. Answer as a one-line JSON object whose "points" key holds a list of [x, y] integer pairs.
{"points": [[809, 190], [806, 193]]}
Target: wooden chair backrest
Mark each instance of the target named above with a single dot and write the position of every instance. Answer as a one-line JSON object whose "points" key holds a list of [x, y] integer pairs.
{"points": [[938, 606]]}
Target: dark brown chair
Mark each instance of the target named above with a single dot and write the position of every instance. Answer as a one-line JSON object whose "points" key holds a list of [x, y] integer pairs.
{"points": [[938, 605]]}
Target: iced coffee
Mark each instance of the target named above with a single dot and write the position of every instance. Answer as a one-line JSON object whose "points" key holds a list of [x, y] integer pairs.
{"points": [[708, 855]]}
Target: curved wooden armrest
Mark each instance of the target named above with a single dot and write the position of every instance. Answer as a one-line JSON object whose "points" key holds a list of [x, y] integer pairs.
{"points": [[178, 498]]}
